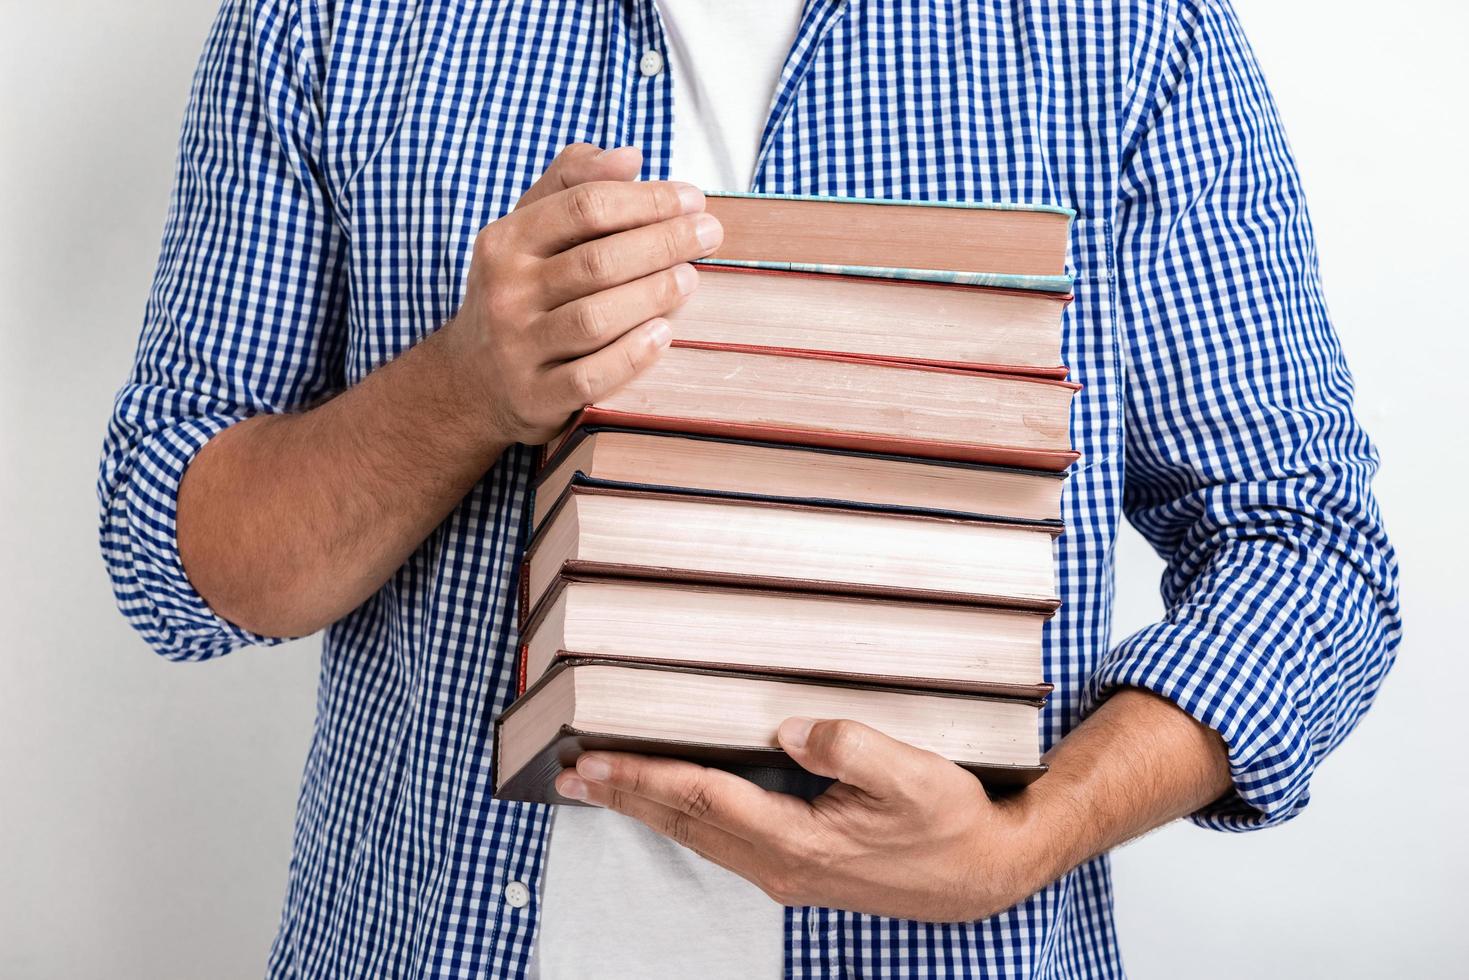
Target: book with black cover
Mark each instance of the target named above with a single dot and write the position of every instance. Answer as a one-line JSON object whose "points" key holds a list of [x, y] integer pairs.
{"points": [[778, 544], [544, 731], [957, 647], [613, 456]]}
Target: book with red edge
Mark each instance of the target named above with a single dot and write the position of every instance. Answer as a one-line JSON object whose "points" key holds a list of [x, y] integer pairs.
{"points": [[836, 401], [944, 324]]}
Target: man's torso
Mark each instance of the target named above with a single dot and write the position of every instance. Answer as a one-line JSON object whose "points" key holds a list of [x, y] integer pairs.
{"points": [[434, 119]]}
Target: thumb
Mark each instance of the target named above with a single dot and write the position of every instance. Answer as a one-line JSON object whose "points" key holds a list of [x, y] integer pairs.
{"points": [[852, 753], [581, 163]]}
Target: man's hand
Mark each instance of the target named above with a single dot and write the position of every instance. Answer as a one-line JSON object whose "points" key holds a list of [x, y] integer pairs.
{"points": [[566, 293], [906, 833], [563, 304], [903, 832]]}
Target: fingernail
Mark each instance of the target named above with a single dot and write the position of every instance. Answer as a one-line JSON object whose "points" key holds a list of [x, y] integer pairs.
{"points": [[609, 152], [690, 198], [597, 770], [661, 334], [572, 788], [686, 277], [709, 231], [794, 732]]}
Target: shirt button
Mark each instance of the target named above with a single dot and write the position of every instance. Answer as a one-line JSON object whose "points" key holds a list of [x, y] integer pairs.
{"points": [[517, 895], [651, 63]]}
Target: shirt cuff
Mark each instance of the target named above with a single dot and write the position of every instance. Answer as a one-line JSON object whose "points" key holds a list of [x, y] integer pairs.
{"points": [[1206, 659], [140, 546]]}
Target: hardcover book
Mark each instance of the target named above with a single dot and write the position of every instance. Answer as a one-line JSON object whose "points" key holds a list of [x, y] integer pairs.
{"points": [[640, 459], [839, 402], [1020, 245], [778, 544], [583, 705], [939, 646], [972, 327]]}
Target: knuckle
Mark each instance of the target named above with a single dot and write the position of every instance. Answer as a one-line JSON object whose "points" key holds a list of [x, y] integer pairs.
{"points": [[486, 245], [678, 828], [843, 738], [674, 241], [637, 783], [588, 206], [781, 885], [695, 799], [590, 321], [574, 151], [631, 362], [666, 203], [596, 264], [501, 305], [669, 293], [585, 388]]}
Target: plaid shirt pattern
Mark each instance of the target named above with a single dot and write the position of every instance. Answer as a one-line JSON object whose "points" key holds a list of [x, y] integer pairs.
{"points": [[337, 159]]}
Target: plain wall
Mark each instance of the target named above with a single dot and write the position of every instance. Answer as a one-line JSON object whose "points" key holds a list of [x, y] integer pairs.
{"points": [[146, 808]]}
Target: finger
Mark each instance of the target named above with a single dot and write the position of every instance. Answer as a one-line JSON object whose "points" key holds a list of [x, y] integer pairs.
{"points": [[706, 796], [592, 322], [597, 209], [581, 163], [859, 756], [587, 379], [606, 262], [709, 841]]}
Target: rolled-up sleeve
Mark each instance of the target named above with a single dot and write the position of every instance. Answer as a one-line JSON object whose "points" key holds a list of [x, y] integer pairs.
{"points": [[1245, 467], [244, 316]]}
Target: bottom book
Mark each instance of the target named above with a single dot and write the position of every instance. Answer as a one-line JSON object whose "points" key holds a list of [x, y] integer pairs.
{"points": [[728, 720]]}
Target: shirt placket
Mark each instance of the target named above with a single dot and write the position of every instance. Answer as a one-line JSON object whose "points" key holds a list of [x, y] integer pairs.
{"points": [[640, 86], [817, 20]]}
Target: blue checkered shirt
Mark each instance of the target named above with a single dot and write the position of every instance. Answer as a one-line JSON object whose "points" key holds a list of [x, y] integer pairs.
{"points": [[337, 160]]}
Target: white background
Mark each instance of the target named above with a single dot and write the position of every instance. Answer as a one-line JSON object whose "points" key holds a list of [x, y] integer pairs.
{"points": [[146, 808]]}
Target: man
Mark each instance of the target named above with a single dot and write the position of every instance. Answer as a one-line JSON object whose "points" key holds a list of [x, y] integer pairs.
{"points": [[369, 304]]}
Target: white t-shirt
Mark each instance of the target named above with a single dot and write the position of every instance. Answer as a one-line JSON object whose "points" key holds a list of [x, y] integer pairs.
{"points": [[619, 900]]}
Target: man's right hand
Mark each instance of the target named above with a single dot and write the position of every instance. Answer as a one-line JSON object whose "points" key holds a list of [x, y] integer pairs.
{"points": [[566, 293], [287, 522]]}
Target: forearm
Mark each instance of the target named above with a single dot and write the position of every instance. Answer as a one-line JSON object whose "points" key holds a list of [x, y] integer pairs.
{"points": [[1136, 763], [288, 522]]}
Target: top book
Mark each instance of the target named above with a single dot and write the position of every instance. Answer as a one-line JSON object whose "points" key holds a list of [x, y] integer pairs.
{"points": [[1020, 246]]}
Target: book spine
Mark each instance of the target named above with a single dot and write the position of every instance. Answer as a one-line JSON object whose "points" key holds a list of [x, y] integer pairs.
{"points": [[523, 592], [863, 359], [1056, 372], [1048, 460], [522, 655]]}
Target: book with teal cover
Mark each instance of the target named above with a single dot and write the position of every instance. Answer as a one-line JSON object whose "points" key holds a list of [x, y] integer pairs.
{"points": [[1070, 213], [1060, 283], [996, 280]]}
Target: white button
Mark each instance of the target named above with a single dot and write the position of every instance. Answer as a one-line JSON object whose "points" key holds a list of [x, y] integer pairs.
{"points": [[651, 63], [517, 895]]}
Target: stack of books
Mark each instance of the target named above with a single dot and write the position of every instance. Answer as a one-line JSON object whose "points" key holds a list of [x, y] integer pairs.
{"points": [[835, 496]]}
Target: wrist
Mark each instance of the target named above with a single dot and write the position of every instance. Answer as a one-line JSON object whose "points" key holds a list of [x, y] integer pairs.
{"points": [[1049, 837], [466, 394]]}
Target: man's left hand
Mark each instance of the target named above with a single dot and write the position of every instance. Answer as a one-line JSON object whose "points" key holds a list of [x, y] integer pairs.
{"points": [[903, 832]]}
